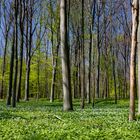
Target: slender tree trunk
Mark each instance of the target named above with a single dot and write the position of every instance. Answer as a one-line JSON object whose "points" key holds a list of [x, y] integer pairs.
{"points": [[125, 72], [54, 74], [20, 70], [16, 55], [27, 80], [93, 75], [79, 70], [98, 75], [89, 71], [54, 63], [38, 75], [53, 82], [9, 94], [21, 49], [98, 54], [135, 9], [138, 49], [75, 72], [67, 97], [105, 50], [46, 74], [27, 54], [29, 51], [53, 57], [114, 78], [83, 89]]}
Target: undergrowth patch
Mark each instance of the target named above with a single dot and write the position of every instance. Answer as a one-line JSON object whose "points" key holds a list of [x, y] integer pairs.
{"points": [[41, 120]]}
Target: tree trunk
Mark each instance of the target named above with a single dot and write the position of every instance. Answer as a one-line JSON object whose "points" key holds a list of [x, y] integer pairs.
{"points": [[89, 71], [54, 74], [75, 72], [114, 78], [28, 63], [79, 70], [38, 75], [53, 57], [16, 55], [132, 59], [98, 54], [67, 97], [27, 80], [93, 68], [27, 54], [21, 49], [46, 71], [9, 94], [138, 48], [83, 89]]}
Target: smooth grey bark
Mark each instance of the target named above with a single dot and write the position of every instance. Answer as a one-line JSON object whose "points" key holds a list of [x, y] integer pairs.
{"points": [[135, 21], [98, 53], [46, 72], [114, 77], [53, 57], [83, 88], [9, 93], [22, 17], [93, 57], [67, 97], [55, 63], [79, 69], [16, 55], [27, 80], [113, 57], [105, 93], [90, 55], [138, 54], [29, 47], [89, 70], [125, 72], [75, 72], [26, 98]]}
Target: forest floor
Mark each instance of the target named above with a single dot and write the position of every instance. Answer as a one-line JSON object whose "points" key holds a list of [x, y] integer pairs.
{"points": [[41, 120]]}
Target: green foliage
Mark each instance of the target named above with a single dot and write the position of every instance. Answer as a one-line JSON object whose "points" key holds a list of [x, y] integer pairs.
{"points": [[41, 120]]}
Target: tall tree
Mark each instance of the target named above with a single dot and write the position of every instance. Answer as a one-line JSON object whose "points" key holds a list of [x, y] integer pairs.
{"points": [[9, 93], [90, 50], [83, 60], [135, 6], [138, 48], [53, 55], [99, 51], [26, 98], [29, 42], [16, 54], [22, 17], [67, 97]]}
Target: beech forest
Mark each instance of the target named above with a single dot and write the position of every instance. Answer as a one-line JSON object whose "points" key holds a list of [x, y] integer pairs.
{"points": [[69, 70]]}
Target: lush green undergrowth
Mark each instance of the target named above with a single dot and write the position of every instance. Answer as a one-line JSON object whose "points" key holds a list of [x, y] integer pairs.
{"points": [[41, 120]]}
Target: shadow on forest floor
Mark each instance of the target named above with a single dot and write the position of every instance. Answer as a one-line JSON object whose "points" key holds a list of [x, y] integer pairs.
{"points": [[111, 103], [8, 115], [43, 103]]}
